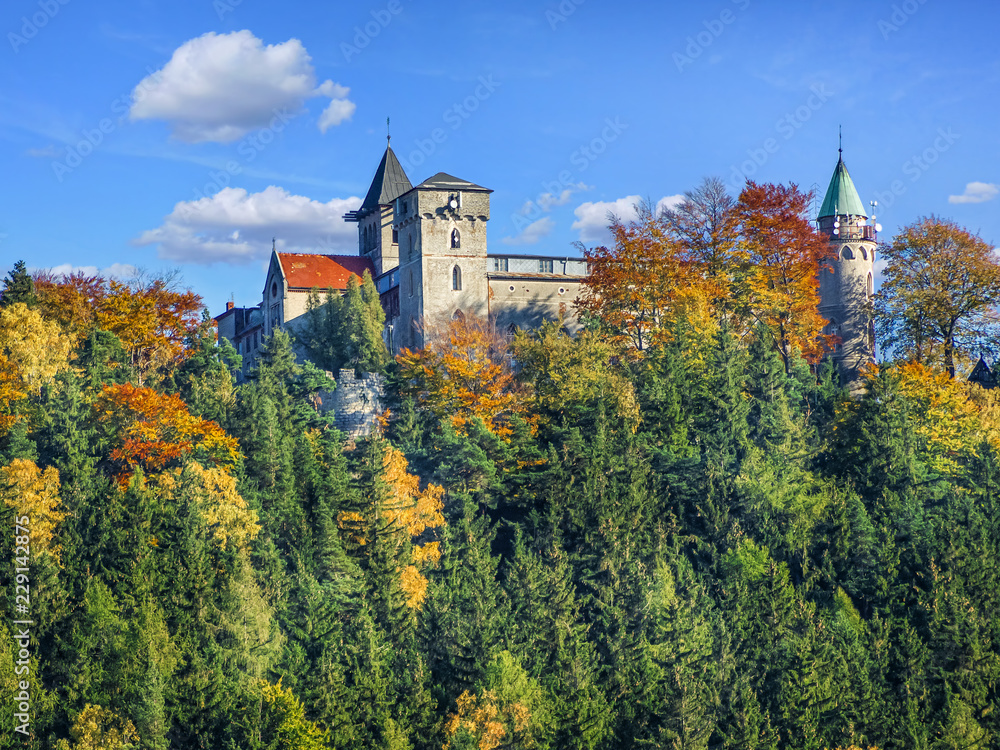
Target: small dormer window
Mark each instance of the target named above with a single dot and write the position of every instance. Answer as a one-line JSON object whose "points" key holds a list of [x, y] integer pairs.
{"points": [[545, 266], [456, 238]]}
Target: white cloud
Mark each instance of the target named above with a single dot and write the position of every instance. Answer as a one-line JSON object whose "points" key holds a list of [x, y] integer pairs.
{"points": [[219, 87], [234, 226], [976, 192], [668, 202], [592, 217], [336, 112], [115, 270], [532, 233]]}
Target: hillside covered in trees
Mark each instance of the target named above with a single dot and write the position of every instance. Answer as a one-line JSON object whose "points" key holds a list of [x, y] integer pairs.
{"points": [[675, 529]]}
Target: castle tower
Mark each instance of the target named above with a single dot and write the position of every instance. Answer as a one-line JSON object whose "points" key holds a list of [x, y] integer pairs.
{"points": [[845, 293], [441, 226], [377, 238]]}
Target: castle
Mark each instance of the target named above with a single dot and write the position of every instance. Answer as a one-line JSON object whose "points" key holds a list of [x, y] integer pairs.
{"points": [[426, 248]]}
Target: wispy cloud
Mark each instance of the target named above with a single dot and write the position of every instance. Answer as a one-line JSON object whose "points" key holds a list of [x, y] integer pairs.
{"points": [[976, 192], [48, 152], [532, 233]]}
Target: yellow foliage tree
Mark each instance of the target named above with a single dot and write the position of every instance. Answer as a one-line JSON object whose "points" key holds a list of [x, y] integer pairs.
{"points": [[150, 318], [37, 347], [508, 709], [567, 372], [99, 728], [11, 392], [950, 419], [409, 508], [224, 510], [283, 724], [465, 373], [34, 493], [946, 421]]}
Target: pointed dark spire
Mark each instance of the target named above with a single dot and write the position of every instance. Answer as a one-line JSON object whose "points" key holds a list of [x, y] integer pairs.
{"points": [[389, 183]]}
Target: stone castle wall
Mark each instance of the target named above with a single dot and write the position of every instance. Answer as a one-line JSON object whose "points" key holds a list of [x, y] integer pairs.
{"points": [[356, 402]]}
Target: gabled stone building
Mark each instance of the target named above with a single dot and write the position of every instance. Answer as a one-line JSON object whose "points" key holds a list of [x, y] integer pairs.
{"points": [[427, 250], [429, 243]]}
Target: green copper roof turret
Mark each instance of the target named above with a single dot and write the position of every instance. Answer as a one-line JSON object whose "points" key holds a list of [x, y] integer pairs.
{"points": [[842, 197]]}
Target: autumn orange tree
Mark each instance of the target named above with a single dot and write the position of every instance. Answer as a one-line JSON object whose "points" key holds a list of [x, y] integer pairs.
{"points": [[70, 300], [632, 287], [149, 315], [152, 431], [465, 373], [783, 255], [939, 297]]}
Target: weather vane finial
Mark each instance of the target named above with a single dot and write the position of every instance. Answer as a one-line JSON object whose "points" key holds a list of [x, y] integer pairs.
{"points": [[388, 135], [840, 139]]}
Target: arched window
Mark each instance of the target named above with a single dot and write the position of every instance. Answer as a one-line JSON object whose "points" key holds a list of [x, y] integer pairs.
{"points": [[456, 279], [871, 287], [848, 254], [458, 315], [456, 238]]}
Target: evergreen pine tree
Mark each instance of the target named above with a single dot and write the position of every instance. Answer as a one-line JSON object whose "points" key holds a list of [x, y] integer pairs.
{"points": [[18, 287]]}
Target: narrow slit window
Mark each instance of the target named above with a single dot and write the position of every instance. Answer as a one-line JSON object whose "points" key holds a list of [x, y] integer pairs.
{"points": [[456, 279]]}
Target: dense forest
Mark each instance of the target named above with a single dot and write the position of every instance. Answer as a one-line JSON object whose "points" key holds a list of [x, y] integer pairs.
{"points": [[676, 528]]}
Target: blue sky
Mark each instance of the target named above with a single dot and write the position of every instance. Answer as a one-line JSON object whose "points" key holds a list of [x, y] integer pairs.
{"points": [[186, 134]]}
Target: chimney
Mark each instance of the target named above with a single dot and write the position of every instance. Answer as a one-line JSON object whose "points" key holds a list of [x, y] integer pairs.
{"points": [[229, 306]]}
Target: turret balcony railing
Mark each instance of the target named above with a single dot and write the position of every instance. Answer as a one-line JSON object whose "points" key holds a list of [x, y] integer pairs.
{"points": [[864, 232]]}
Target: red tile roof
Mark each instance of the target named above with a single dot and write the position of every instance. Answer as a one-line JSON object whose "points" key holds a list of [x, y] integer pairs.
{"points": [[305, 270]]}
